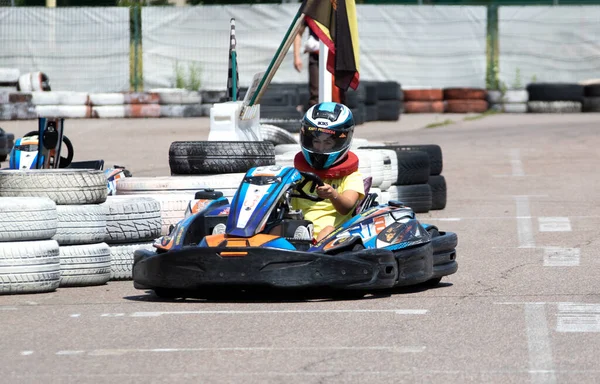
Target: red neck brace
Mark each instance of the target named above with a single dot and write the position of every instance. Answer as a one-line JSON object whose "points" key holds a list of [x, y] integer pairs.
{"points": [[346, 167]]}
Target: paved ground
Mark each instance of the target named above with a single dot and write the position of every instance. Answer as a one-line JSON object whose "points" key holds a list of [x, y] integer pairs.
{"points": [[523, 307]]}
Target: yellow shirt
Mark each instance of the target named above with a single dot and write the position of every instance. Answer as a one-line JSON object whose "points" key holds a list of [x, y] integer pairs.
{"points": [[323, 213]]}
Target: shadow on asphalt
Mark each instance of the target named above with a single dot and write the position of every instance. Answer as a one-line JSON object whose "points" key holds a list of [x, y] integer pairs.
{"points": [[264, 295]]}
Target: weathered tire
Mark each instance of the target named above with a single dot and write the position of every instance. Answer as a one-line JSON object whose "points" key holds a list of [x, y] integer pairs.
{"points": [[424, 106], [132, 219], [464, 94], [438, 192], [63, 186], [217, 157], [466, 106], [423, 95], [27, 218], [554, 106], [555, 92], [29, 267], [84, 265], [416, 196]]}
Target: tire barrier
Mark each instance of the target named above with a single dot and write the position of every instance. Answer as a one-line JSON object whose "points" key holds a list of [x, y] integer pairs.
{"points": [[509, 101], [167, 103], [465, 100], [424, 101], [418, 181], [283, 104]]}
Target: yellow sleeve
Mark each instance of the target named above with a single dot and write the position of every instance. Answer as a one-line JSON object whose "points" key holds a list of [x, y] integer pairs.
{"points": [[354, 182]]}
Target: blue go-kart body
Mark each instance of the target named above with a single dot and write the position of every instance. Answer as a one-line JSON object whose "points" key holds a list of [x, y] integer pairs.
{"points": [[258, 240]]}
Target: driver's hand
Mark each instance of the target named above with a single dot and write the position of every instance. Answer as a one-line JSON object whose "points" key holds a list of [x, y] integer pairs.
{"points": [[327, 192]]}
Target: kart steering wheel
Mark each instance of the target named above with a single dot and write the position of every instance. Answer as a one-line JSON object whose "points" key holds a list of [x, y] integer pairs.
{"points": [[308, 177], [63, 162]]}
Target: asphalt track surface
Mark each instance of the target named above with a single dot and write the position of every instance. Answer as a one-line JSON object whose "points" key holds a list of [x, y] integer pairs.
{"points": [[524, 306]]}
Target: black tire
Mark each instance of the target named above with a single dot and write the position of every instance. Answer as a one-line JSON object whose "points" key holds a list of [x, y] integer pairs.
{"points": [[370, 92], [389, 110], [434, 152], [354, 99], [555, 92], [591, 90], [371, 113], [359, 114], [389, 90], [413, 166], [416, 196], [591, 104], [438, 192], [215, 157]]}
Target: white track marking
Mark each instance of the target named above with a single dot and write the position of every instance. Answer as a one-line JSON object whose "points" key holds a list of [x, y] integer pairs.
{"points": [[307, 311], [524, 226], [123, 351], [561, 257], [75, 315], [8, 308], [541, 366], [26, 353], [578, 317], [516, 163], [554, 224]]}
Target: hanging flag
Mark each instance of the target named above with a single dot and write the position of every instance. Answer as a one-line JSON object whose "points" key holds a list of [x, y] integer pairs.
{"points": [[335, 23], [233, 78]]}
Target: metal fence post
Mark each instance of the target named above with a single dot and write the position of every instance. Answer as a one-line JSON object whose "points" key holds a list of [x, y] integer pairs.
{"points": [[136, 14], [492, 47]]}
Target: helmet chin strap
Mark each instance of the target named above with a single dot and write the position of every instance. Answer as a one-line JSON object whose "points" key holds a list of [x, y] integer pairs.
{"points": [[347, 166]]}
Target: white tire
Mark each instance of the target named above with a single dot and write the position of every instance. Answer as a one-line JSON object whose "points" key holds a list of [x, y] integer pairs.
{"points": [[122, 259], [29, 267], [81, 224], [27, 218], [84, 265], [132, 219]]}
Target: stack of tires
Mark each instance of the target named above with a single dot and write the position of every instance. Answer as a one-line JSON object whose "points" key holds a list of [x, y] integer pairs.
{"points": [[390, 100], [424, 101], [509, 101], [465, 100], [591, 99], [55, 229], [555, 97], [419, 183], [281, 105], [355, 100], [132, 222], [371, 111]]}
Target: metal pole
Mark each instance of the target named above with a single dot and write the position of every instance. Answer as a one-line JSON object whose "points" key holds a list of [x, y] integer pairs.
{"points": [[325, 87]]}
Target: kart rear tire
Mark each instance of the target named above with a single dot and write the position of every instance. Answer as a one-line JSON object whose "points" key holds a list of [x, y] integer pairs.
{"points": [[432, 283]]}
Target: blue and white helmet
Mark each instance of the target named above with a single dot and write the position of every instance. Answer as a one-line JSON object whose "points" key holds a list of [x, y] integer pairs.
{"points": [[326, 134]]}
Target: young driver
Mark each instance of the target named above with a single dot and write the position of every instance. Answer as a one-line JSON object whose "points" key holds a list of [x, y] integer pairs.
{"points": [[325, 139]]}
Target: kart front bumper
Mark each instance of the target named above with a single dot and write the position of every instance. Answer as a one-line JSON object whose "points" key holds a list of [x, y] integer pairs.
{"points": [[195, 268]]}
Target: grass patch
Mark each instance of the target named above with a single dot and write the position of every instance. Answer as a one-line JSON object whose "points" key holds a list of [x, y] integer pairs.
{"points": [[439, 123], [481, 115]]}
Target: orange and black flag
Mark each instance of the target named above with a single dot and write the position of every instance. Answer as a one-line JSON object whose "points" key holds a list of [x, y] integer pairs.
{"points": [[334, 22]]}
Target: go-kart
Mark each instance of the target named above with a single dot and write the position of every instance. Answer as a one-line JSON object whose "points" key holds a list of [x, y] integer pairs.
{"points": [[49, 148], [257, 240]]}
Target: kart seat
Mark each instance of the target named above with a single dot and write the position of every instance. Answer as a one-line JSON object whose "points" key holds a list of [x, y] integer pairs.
{"points": [[369, 199]]}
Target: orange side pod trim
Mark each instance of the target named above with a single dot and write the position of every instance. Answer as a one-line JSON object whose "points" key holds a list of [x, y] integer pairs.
{"points": [[221, 240]]}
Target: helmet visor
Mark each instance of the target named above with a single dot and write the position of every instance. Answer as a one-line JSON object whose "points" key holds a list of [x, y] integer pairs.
{"points": [[323, 140]]}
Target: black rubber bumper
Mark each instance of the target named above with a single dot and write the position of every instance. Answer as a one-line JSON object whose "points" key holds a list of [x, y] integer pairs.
{"points": [[196, 268]]}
